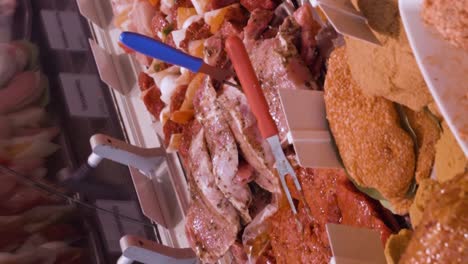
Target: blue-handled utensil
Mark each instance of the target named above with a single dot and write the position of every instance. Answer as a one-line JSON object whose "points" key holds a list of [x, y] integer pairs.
{"points": [[161, 51]]}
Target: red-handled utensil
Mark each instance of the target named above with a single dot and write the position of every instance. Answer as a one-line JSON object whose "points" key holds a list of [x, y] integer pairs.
{"points": [[253, 91]]}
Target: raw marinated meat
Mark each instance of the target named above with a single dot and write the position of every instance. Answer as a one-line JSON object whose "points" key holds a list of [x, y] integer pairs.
{"points": [[152, 100], [202, 173], [255, 149], [308, 46], [258, 22], [210, 235], [222, 147], [279, 66]]}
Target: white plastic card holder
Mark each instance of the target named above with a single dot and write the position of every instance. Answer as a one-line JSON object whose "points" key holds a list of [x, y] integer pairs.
{"points": [[308, 128], [107, 69], [88, 9], [64, 30], [353, 245], [83, 95], [147, 166], [138, 249]]}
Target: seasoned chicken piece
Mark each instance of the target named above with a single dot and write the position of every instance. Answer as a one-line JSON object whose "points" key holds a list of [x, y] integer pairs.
{"points": [[201, 170], [223, 149], [375, 150], [441, 237], [255, 149], [210, 235]]}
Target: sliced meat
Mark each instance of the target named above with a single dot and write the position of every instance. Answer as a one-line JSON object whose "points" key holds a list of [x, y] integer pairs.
{"points": [[234, 21], [178, 97], [236, 15], [214, 46], [209, 234], [277, 61], [360, 211], [245, 174], [258, 22], [197, 30], [152, 99], [251, 5], [255, 149], [279, 66], [308, 46], [214, 51], [222, 147], [145, 81], [202, 173], [229, 28], [170, 128]]}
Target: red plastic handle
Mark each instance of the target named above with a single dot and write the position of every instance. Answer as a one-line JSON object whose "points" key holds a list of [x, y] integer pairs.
{"points": [[249, 82]]}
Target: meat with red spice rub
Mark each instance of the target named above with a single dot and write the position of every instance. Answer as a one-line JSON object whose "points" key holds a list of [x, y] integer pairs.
{"points": [[258, 23], [197, 30], [161, 28]]}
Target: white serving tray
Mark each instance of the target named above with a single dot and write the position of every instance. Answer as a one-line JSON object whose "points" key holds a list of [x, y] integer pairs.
{"points": [[444, 68]]}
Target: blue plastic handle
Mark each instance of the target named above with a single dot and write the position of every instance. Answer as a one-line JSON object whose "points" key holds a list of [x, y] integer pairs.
{"points": [[156, 49]]}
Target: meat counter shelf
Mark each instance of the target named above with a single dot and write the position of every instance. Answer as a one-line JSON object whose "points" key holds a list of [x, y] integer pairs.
{"points": [[169, 195]]}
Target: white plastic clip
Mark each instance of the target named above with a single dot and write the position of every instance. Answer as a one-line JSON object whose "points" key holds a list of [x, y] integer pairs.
{"points": [[145, 159], [139, 249]]}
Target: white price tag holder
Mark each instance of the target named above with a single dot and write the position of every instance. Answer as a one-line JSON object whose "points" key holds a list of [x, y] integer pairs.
{"points": [[107, 69], [352, 245], [64, 30], [144, 251], [83, 95], [113, 227], [308, 128]]}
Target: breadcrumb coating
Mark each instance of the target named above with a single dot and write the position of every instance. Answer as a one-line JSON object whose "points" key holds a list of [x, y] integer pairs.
{"points": [[376, 151]]}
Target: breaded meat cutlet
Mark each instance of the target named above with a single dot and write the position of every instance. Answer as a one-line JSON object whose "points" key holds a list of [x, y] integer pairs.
{"points": [[376, 151], [449, 18], [427, 133]]}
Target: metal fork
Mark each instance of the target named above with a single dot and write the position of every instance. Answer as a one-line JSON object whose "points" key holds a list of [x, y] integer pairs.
{"points": [[253, 91]]}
